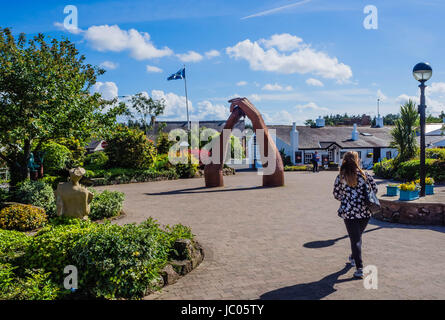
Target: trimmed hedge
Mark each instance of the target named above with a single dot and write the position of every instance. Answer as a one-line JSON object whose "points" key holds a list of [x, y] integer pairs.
{"points": [[122, 175], [409, 170]]}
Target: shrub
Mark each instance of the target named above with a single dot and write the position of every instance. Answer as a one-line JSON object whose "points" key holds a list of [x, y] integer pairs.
{"points": [[384, 169], [35, 286], [163, 144], [106, 204], [161, 162], [50, 249], [286, 159], [130, 148], [435, 153], [296, 168], [37, 193], [186, 170], [56, 157], [409, 170], [119, 261], [113, 261], [12, 245], [123, 175], [77, 149], [22, 217], [53, 181], [96, 160]]}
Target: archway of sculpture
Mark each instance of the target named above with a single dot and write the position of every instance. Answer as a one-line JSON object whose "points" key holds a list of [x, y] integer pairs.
{"points": [[240, 107]]}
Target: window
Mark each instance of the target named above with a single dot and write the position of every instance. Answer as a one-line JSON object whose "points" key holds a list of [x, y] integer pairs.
{"points": [[331, 155], [359, 154], [307, 158], [298, 157], [388, 155]]}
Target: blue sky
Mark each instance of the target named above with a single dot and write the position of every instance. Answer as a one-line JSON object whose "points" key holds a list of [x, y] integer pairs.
{"points": [[294, 60]]}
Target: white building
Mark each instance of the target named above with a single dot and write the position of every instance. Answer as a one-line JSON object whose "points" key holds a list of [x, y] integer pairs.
{"points": [[331, 143], [434, 135]]}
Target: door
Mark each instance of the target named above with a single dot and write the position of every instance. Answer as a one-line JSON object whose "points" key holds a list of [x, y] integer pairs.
{"points": [[376, 154]]}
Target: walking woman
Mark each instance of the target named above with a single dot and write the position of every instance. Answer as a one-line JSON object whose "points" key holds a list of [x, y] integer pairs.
{"points": [[350, 188]]}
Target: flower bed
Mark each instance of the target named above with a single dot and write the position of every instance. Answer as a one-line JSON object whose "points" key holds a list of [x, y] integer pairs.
{"points": [[113, 261]]}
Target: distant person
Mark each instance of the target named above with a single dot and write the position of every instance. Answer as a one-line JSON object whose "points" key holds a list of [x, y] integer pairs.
{"points": [[350, 189], [315, 161]]}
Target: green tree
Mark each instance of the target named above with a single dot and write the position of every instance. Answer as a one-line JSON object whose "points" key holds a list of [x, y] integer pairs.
{"points": [[404, 132], [45, 95], [147, 106]]}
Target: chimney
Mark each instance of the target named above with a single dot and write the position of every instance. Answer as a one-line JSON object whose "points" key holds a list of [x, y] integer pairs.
{"points": [[354, 133], [379, 122], [320, 122], [294, 141]]}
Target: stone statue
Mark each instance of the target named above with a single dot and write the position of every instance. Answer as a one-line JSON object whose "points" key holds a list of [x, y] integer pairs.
{"points": [[243, 107], [73, 199]]}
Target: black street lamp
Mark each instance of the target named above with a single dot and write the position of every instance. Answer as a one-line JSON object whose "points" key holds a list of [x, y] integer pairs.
{"points": [[422, 72]]}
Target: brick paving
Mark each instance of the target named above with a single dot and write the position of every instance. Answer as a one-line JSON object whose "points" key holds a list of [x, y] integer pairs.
{"points": [[285, 243]]}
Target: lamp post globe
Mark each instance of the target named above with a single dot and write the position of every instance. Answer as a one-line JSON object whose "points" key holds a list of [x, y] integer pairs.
{"points": [[422, 72]]}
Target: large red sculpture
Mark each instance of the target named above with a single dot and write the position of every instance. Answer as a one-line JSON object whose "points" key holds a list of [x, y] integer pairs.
{"points": [[243, 107]]}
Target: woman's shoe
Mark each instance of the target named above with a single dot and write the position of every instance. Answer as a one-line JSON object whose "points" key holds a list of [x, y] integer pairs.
{"points": [[352, 261], [358, 273]]}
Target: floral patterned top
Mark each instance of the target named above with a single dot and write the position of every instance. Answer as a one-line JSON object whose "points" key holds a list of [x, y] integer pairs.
{"points": [[353, 198]]}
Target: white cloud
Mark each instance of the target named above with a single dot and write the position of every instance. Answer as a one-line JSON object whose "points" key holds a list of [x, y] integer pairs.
{"points": [[111, 38], [310, 106], [209, 111], [212, 54], [283, 42], [108, 90], [109, 65], [190, 56], [255, 97], [61, 26], [436, 87], [380, 95], [241, 83], [153, 69], [314, 82], [175, 106], [298, 113], [433, 105], [304, 60], [276, 87]]}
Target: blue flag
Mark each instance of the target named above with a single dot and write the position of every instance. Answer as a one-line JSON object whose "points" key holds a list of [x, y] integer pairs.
{"points": [[178, 75]]}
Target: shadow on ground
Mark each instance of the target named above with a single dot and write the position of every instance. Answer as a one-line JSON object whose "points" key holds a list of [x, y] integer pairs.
{"points": [[309, 291], [205, 190], [383, 224], [327, 243]]}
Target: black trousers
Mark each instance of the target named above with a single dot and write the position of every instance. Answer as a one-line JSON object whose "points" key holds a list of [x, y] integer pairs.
{"points": [[355, 228], [315, 163]]}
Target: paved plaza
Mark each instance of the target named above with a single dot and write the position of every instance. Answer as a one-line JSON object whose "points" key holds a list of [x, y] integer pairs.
{"points": [[286, 242]]}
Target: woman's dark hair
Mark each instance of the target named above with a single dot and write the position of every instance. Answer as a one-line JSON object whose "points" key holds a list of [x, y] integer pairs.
{"points": [[349, 168]]}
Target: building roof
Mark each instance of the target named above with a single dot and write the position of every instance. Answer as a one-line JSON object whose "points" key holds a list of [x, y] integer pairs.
{"points": [[320, 138], [217, 125]]}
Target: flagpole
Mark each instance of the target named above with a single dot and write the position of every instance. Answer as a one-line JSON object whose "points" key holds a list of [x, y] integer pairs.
{"points": [[186, 100]]}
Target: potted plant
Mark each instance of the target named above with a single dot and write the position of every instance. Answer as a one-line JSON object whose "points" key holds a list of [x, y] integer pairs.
{"points": [[409, 191], [429, 185], [392, 190]]}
